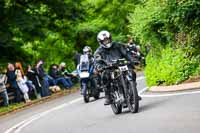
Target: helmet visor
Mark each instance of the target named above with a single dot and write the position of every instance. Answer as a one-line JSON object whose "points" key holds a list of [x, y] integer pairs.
{"points": [[106, 41], [87, 51]]}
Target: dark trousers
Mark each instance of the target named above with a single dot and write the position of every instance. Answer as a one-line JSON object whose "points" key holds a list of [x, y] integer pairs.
{"points": [[17, 92], [62, 81], [45, 87], [4, 94]]}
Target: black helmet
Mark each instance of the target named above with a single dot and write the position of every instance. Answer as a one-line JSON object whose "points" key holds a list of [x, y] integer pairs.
{"points": [[104, 38]]}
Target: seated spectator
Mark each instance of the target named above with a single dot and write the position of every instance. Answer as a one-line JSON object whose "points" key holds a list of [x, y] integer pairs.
{"points": [[12, 81], [67, 75], [21, 82], [58, 79], [33, 81], [3, 91], [43, 78]]}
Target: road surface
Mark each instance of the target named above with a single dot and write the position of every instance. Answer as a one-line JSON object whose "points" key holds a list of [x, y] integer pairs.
{"points": [[159, 114]]}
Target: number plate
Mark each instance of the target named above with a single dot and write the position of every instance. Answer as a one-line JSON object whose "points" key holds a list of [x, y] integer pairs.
{"points": [[123, 68]]}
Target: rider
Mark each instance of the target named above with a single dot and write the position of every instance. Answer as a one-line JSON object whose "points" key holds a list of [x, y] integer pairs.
{"points": [[109, 51], [87, 53]]}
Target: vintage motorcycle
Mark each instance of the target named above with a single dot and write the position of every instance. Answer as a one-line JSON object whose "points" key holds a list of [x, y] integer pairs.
{"points": [[123, 88]]}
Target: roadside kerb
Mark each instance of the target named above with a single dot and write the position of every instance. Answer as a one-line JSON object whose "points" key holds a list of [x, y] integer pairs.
{"points": [[42, 100], [172, 88]]}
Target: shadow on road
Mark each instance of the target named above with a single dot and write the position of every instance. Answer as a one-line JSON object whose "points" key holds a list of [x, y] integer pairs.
{"points": [[93, 100], [149, 105], [153, 104]]}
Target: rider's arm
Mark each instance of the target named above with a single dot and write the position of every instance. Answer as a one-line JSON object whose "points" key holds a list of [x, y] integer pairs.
{"points": [[98, 60]]}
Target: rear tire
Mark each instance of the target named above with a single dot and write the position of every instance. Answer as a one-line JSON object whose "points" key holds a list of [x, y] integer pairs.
{"points": [[133, 101]]}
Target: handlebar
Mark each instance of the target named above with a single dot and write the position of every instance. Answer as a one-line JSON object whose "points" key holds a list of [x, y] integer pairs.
{"points": [[115, 64]]}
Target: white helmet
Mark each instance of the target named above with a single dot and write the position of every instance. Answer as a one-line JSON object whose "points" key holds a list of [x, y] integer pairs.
{"points": [[87, 50], [104, 38]]}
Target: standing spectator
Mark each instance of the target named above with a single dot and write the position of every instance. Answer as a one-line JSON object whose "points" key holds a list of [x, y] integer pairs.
{"points": [[3, 91], [43, 79], [12, 81], [131, 41]]}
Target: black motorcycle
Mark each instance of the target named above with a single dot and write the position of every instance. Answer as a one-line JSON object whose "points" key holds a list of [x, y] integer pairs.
{"points": [[123, 88]]}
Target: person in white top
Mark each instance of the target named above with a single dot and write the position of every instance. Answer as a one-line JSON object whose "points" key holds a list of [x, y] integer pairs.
{"points": [[21, 82]]}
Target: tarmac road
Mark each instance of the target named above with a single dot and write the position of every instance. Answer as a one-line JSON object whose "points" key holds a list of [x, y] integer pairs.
{"points": [[164, 114]]}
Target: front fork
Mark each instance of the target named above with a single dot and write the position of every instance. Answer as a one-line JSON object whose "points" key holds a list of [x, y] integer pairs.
{"points": [[125, 78]]}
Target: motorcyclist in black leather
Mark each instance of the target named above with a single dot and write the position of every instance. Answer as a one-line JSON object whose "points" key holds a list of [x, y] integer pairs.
{"points": [[109, 51]]}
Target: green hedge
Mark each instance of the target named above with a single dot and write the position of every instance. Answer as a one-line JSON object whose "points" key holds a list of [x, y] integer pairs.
{"points": [[171, 66]]}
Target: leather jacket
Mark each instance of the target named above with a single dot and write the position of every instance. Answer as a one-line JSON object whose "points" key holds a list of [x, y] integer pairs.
{"points": [[115, 52]]}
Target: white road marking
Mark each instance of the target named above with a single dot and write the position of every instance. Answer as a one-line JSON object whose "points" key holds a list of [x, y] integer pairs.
{"points": [[140, 78], [168, 95], [143, 90], [18, 127]]}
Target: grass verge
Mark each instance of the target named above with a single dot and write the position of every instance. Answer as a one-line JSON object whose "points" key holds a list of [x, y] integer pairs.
{"points": [[15, 107]]}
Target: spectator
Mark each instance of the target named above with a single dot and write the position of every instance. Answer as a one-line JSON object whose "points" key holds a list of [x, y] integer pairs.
{"points": [[3, 91], [32, 77], [18, 66], [131, 41], [12, 81], [43, 78], [21, 82], [58, 78], [67, 75]]}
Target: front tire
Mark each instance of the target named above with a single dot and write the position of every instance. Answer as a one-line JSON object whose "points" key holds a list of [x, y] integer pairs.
{"points": [[116, 106], [86, 96], [133, 101], [97, 95]]}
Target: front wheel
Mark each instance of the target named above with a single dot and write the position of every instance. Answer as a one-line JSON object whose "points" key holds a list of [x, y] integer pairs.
{"points": [[133, 101], [97, 95], [86, 96], [116, 106]]}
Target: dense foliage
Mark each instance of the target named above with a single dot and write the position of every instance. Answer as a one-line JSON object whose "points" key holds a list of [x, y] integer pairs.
{"points": [[54, 29], [171, 27]]}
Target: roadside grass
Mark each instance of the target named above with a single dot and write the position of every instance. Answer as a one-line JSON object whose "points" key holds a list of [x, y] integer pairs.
{"points": [[18, 106], [11, 107]]}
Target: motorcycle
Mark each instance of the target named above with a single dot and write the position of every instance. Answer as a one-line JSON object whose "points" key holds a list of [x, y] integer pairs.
{"points": [[123, 88], [88, 87]]}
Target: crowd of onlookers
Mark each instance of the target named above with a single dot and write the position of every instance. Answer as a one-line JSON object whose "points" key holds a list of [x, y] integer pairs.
{"points": [[34, 81]]}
